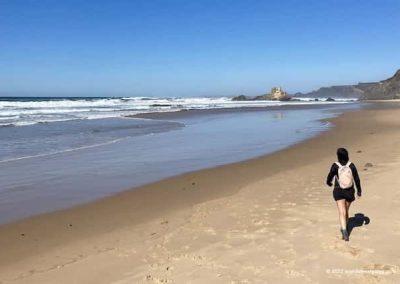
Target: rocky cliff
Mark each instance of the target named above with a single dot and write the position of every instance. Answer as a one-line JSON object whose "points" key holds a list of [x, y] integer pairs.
{"points": [[383, 90], [345, 91]]}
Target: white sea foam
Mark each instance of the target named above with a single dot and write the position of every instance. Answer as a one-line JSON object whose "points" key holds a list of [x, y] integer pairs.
{"points": [[30, 111]]}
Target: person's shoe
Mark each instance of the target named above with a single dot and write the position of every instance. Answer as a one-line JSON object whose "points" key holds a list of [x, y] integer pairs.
{"points": [[345, 235]]}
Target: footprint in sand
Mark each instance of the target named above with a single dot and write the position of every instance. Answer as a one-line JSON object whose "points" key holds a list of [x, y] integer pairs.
{"points": [[210, 231], [227, 246], [310, 223], [243, 281], [285, 262], [261, 222], [262, 230], [292, 231], [349, 251], [150, 278], [294, 273], [198, 259], [311, 256]]}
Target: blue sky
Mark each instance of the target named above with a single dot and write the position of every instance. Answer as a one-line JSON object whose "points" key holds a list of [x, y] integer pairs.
{"points": [[193, 48]]}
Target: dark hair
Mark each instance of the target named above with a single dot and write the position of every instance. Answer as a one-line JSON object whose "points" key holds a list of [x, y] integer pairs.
{"points": [[342, 155]]}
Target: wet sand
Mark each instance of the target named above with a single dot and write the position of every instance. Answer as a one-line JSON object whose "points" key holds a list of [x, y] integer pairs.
{"points": [[267, 220]]}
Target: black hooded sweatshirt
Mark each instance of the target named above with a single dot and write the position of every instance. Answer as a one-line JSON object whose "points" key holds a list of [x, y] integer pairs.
{"points": [[334, 172]]}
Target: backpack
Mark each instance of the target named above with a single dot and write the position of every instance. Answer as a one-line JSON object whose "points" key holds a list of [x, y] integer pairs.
{"points": [[345, 175]]}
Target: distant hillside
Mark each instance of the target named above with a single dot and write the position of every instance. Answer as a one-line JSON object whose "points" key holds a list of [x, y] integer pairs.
{"points": [[345, 91], [383, 90]]}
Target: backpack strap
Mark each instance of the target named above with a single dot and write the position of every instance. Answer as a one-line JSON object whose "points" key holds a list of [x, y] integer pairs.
{"points": [[336, 177], [348, 164], [341, 166]]}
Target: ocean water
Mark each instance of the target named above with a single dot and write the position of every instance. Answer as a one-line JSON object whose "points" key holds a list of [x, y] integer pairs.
{"points": [[27, 110], [53, 161]]}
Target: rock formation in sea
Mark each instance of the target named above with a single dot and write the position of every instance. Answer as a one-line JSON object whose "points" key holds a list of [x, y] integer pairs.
{"points": [[241, 98], [276, 94]]}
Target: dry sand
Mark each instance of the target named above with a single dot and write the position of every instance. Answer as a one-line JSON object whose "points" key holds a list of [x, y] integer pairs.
{"points": [[266, 220]]}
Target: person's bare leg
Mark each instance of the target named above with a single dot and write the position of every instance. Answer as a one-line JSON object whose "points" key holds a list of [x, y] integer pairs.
{"points": [[347, 211], [341, 205]]}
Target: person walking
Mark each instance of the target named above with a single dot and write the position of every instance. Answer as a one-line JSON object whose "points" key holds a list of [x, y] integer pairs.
{"points": [[344, 176]]}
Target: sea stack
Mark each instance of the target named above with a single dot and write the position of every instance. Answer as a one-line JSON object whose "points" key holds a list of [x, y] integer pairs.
{"points": [[277, 94]]}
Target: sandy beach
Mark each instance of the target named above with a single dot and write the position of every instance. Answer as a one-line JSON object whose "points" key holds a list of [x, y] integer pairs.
{"points": [[267, 220]]}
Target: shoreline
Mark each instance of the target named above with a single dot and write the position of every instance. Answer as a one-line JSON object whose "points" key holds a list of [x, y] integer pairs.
{"points": [[63, 178], [104, 220], [198, 112]]}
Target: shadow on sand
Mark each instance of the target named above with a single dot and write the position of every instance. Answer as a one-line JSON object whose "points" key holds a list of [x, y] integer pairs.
{"points": [[358, 220]]}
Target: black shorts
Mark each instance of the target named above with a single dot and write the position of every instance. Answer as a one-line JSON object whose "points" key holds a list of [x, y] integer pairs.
{"points": [[347, 194]]}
